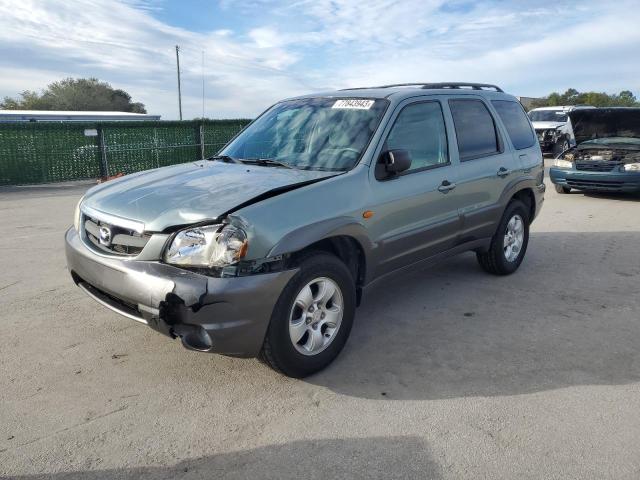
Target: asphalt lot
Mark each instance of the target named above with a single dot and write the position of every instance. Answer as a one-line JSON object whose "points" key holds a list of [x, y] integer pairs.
{"points": [[448, 374]]}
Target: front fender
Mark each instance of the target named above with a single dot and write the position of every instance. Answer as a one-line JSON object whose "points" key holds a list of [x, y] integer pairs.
{"points": [[340, 226]]}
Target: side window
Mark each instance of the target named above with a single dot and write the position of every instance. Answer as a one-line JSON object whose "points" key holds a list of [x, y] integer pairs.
{"points": [[516, 122], [419, 128], [475, 129]]}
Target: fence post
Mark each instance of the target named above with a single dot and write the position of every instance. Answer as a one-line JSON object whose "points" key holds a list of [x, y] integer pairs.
{"points": [[104, 166], [155, 146]]}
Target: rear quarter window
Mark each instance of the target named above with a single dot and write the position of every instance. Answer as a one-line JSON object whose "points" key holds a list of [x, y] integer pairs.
{"points": [[475, 129], [516, 122]]}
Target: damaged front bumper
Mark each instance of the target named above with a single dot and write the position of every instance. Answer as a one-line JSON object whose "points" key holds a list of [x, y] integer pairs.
{"points": [[227, 315]]}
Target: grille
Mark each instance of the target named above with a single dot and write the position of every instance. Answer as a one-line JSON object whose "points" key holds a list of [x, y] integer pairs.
{"points": [[599, 184], [119, 241], [597, 166]]}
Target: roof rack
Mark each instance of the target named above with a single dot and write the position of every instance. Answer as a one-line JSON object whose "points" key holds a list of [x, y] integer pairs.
{"points": [[443, 85]]}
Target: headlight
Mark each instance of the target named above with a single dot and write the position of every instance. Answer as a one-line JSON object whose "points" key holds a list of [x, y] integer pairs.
{"points": [[631, 167], [76, 216], [562, 163], [208, 246]]}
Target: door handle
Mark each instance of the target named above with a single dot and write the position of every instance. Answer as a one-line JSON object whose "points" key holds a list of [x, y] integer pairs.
{"points": [[503, 172], [446, 186]]}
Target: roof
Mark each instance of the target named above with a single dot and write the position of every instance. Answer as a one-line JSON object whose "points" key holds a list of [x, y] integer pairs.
{"points": [[566, 108], [61, 115], [407, 90], [70, 113]]}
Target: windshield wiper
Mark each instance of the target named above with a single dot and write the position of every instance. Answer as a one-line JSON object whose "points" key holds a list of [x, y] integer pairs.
{"points": [[267, 162], [225, 158]]}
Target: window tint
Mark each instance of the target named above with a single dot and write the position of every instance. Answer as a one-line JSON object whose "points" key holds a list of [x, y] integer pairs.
{"points": [[420, 129], [516, 122], [475, 129]]}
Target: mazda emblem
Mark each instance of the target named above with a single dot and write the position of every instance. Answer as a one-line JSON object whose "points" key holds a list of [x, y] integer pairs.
{"points": [[105, 236]]}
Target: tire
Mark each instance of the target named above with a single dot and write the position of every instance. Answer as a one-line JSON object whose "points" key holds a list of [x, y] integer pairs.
{"points": [[495, 260], [561, 146], [309, 355], [562, 189]]}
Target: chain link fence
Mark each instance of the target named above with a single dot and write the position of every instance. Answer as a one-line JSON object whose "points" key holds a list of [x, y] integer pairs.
{"points": [[54, 152]]}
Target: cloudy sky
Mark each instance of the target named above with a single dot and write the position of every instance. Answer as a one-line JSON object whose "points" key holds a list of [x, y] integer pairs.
{"points": [[258, 51]]}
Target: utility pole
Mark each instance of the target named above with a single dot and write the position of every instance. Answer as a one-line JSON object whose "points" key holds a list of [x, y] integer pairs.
{"points": [[203, 84], [179, 89]]}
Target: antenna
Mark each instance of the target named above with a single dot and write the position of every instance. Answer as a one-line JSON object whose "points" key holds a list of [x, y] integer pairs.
{"points": [[179, 89]]}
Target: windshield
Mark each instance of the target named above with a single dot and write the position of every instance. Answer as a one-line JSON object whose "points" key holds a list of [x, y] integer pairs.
{"points": [[547, 116], [311, 133]]}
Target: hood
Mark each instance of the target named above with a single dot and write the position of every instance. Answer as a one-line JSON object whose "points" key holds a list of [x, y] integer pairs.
{"points": [[592, 123], [547, 125], [192, 192]]}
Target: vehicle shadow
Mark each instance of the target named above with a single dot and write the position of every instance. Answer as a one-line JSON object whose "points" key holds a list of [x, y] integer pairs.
{"points": [[357, 458], [568, 317], [628, 197]]}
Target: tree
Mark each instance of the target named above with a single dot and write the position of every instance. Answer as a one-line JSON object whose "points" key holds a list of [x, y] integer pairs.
{"points": [[81, 94], [625, 98]]}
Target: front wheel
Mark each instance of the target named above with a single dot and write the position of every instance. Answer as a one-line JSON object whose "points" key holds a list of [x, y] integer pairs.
{"points": [[562, 189], [312, 318], [509, 243], [562, 146]]}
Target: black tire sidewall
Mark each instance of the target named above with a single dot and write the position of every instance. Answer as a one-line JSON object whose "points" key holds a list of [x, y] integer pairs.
{"points": [[287, 358]]}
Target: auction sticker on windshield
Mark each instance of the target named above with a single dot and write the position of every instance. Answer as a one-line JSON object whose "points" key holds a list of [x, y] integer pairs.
{"points": [[354, 103]]}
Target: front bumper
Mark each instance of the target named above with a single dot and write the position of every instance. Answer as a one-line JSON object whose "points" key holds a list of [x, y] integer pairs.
{"points": [[596, 181], [220, 315]]}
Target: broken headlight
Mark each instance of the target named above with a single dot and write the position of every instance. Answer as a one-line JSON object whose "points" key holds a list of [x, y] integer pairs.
{"points": [[207, 246]]}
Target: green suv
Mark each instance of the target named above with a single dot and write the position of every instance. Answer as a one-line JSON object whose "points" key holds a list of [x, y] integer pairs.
{"points": [[267, 248]]}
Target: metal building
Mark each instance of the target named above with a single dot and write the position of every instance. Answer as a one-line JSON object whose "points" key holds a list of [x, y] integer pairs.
{"points": [[67, 116]]}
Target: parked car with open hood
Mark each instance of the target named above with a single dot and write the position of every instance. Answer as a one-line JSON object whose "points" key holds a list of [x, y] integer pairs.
{"points": [[552, 127], [266, 249], [607, 155]]}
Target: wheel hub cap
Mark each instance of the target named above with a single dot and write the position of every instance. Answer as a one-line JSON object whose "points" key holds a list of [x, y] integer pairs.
{"points": [[316, 316], [513, 238]]}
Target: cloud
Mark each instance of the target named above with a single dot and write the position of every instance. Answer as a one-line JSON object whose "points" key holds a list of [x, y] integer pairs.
{"points": [[279, 48]]}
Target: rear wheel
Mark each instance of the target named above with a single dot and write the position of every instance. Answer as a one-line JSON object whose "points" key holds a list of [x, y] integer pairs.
{"points": [[509, 244], [562, 189], [312, 319]]}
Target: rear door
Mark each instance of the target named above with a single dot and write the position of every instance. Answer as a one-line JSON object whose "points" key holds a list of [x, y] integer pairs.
{"points": [[414, 215], [520, 134], [487, 164]]}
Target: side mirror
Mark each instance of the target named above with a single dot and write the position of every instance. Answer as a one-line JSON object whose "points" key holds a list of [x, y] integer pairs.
{"points": [[395, 161]]}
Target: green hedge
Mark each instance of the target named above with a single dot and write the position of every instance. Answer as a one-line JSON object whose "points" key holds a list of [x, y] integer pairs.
{"points": [[42, 152]]}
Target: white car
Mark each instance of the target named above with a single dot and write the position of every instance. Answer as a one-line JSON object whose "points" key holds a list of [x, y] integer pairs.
{"points": [[553, 128]]}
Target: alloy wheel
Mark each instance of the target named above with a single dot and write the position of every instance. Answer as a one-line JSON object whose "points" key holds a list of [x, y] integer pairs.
{"points": [[316, 316], [513, 238]]}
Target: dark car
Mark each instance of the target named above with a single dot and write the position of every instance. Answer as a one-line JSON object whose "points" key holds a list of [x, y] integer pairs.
{"points": [[607, 155]]}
